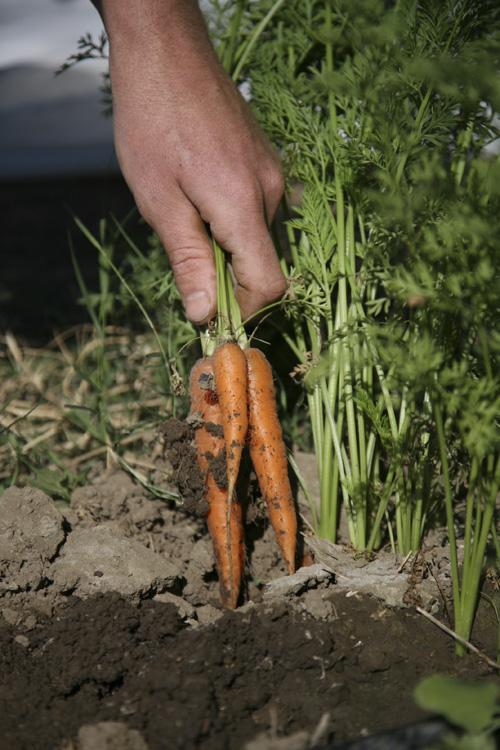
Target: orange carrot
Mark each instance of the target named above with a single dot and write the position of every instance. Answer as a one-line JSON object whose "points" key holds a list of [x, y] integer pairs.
{"points": [[230, 369], [230, 557], [268, 454], [225, 521], [200, 382]]}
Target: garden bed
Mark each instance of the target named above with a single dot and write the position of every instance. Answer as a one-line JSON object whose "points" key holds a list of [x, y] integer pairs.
{"points": [[111, 614]]}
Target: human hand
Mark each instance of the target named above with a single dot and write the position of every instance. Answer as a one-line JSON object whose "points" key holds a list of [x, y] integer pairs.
{"points": [[192, 153]]}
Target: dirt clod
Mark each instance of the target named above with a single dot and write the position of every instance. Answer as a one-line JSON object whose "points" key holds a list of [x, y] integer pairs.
{"points": [[109, 735], [101, 559], [178, 441], [31, 532]]}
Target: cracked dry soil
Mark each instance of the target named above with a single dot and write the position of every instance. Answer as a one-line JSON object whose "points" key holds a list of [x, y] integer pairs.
{"points": [[148, 649]]}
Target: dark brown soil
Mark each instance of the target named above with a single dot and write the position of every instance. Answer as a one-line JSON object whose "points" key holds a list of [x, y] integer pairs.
{"points": [[178, 441], [216, 686]]}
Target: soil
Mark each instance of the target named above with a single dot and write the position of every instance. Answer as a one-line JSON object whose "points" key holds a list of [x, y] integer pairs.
{"points": [[112, 635]]}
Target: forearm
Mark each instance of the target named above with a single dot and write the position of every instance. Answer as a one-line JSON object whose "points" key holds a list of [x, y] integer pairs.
{"points": [[159, 38]]}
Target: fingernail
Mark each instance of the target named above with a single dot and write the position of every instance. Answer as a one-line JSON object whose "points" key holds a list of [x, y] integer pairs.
{"points": [[197, 306]]}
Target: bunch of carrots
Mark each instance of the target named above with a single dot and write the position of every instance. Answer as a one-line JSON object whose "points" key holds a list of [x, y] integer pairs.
{"points": [[233, 403]]}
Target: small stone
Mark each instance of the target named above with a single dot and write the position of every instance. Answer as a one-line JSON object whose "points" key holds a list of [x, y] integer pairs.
{"points": [[30, 622], [208, 614], [109, 735], [22, 640], [186, 610], [10, 616]]}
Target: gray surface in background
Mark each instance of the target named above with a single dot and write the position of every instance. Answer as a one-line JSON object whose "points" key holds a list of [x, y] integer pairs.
{"points": [[50, 125]]}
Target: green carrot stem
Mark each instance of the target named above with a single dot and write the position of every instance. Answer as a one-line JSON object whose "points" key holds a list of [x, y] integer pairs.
{"points": [[450, 518], [229, 323]]}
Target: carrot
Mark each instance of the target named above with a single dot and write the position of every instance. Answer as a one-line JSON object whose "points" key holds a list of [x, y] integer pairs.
{"points": [[230, 557], [268, 454], [200, 382], [230, 369], [224, 520]]}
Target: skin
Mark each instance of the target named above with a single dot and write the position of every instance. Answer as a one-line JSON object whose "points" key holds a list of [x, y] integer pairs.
{"points": [[191, 152]]}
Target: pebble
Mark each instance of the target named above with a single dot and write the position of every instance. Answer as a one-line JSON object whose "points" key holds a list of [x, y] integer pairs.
{"points": [[22, 640], [10, 615]]}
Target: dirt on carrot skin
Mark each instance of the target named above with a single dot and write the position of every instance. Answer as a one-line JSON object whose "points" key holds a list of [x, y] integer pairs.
{"points": [[177, 438], [217, 466], [175, 667]]}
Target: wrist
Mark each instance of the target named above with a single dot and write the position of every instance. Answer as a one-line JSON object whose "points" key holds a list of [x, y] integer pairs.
{"points": [[158, 40], [145, 22]]}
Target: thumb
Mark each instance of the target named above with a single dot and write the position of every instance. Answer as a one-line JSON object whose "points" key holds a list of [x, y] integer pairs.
{"points": [[190, 253]]}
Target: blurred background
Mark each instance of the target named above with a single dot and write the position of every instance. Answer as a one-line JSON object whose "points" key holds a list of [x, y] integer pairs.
{"points": [[51, 125], [56, 159]]}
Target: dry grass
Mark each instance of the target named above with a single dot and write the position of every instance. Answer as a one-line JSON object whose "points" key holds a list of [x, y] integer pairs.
{"points": [[83, 397]]}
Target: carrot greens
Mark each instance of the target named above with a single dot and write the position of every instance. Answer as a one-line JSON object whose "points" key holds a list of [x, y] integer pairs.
{"points": [[385, 118]]}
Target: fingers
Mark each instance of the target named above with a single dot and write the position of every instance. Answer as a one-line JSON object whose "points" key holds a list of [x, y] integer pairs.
{"points": [[273, 186], [239, 222], [242, 230], [190, 253]]}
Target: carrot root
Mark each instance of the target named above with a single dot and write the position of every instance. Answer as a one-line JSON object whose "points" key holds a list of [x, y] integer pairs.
{"points": [[230, 370], [224, 519], [268, 454]]}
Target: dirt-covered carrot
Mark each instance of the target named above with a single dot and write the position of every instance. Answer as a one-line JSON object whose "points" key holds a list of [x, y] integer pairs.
{"points": [[200, 382], [230, 557], [268, 454], [225, 522], [230, 370]]}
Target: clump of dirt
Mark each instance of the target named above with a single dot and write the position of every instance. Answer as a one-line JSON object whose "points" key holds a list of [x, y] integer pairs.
{"points": [[217, 467], [31, 533], [177, 438], [172, 534]]}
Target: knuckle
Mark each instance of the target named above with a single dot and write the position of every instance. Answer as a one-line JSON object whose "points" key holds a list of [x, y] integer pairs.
{"points": [[276, 288], [268, 287], [274, 182], [145, 209], [184, 262], [246, 194]]}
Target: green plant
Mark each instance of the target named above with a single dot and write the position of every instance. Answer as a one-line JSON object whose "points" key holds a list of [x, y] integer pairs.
{"points": [[472, 708], [383, 114]]}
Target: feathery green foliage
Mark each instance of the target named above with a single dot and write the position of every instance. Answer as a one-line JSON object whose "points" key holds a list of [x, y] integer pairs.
{"points": [[385, 116]]}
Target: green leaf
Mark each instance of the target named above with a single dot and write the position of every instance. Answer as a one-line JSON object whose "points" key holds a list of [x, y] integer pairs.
{"points": [[468, 705], [54, 482]]}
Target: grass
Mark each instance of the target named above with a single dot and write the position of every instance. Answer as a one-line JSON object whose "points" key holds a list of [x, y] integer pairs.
{"points": [[59, 418], [98, 393]]}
